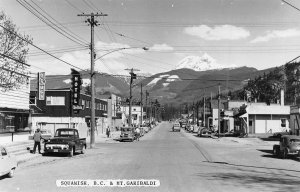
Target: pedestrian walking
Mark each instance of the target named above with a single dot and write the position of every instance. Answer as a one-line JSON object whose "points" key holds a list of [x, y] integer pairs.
{"points": [[37, 137], [137, 133], [108, 132]]}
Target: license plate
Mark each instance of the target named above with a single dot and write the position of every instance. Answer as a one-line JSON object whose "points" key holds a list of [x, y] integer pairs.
{"points": [[55, 150]]}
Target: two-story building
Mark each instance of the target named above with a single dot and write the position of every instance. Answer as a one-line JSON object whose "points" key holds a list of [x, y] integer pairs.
{"points": [[56, 111]]}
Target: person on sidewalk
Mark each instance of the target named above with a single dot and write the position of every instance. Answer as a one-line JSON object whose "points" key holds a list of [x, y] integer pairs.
{"points": [[108, 132], [37, 137], [137, 133]]}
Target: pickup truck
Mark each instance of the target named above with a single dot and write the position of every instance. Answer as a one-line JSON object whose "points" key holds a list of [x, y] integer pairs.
{"points": [[288, 145], [65, 141]]}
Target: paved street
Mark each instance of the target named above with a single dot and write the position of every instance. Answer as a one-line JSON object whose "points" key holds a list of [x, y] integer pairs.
{"points": [[179, 160]]}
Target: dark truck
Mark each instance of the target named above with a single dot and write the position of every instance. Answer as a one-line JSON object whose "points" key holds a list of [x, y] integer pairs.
{"points": [[65, 141], [288, 145]]}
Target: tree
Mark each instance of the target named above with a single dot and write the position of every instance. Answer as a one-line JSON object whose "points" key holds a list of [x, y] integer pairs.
{"points": [[14, 72]]}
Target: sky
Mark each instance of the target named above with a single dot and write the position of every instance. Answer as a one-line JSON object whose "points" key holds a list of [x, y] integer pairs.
{"points": [[253, 33]]}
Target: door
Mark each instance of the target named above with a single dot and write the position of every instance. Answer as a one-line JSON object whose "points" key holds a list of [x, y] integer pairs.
{"points": [[4, 162], [251, 127]]}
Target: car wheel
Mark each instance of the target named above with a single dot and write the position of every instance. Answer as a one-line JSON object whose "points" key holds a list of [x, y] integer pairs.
{"points": [[83, 149], [284, 154], [11, 173], [275, 151]]}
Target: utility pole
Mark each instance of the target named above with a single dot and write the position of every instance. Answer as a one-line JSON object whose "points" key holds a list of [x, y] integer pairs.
{"points": [[132, 76], [141, 104], [204, 111], [147, 94], [219, 104], [92, 23]]}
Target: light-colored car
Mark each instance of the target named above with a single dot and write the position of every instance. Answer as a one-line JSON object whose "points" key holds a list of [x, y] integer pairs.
{"points": [[8, 163], [127, 133], [204, 132], [176, 127]]}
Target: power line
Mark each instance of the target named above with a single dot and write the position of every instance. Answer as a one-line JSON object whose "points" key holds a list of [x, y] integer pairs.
{"points": [[76, 8], [39, 48], [69, 32], [291, 5], [42, 18]]}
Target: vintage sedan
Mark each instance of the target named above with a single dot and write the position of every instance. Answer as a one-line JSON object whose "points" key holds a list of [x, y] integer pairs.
{"points": [[8, 163], [204, 132], [127, 133], [288, 145]]}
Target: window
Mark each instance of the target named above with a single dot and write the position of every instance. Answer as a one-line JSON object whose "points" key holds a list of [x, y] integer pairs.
{"points": [[283, 122], [54, 100], [3, 152], [87, 104], [32, 100], [83, 103]]}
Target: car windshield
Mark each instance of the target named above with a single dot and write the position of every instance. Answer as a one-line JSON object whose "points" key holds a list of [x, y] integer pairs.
{"points": [[64, 133], [126, 129], [295, 140]]}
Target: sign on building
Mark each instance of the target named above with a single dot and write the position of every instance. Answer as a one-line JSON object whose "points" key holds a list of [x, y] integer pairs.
{"points": [[76, 83], [41, 85]]}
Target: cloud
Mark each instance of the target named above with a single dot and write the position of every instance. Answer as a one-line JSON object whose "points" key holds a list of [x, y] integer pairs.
{"points": [[276, 34], [161, 47], [219, 32]]}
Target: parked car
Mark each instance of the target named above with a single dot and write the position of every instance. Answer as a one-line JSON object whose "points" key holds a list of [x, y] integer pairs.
{"points": [[8, 163], [65, 140], [176, 127], [146, 129], [204, 132], [279, 134], [288, 145], [127, 133], [183, 125]]}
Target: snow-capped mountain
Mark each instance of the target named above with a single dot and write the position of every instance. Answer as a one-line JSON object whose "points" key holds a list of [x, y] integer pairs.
{"points": [[203, 63]]}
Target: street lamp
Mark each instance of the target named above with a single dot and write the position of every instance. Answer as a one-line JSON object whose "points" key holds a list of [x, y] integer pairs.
{"points": [[92, 142], [120, 49]]}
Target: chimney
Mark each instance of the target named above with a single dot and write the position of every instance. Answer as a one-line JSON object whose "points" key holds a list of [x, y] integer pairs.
{"points": [[282, 97]]}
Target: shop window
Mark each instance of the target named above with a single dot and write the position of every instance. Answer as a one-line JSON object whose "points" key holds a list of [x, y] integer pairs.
{"points": [[54, 100], [32, 100]]}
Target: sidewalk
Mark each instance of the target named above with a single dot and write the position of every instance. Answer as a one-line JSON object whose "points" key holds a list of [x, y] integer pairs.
{"points": [[19, 146]]}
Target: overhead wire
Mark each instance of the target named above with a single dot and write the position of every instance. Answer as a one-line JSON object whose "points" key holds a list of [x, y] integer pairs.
{"points": [[72, 34], [44, 19], [39, 48]]}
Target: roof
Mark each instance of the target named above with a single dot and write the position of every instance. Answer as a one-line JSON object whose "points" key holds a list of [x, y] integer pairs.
{"points": [[268, 109], [291, 136]]}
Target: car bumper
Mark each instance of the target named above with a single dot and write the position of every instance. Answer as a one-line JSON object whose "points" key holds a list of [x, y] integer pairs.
{"points": [[57, 150]]}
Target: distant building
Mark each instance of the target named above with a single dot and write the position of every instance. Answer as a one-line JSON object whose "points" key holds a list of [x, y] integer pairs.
{"points": [[136, 111], [114, 110], [262, 118]]}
